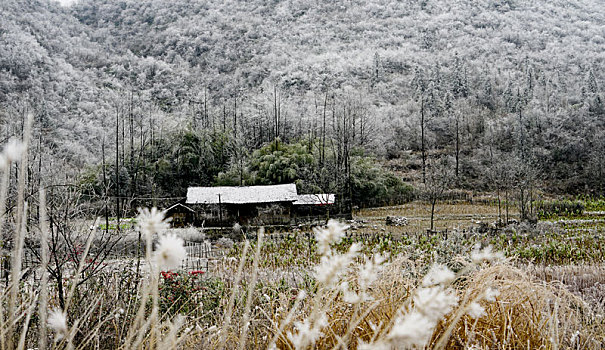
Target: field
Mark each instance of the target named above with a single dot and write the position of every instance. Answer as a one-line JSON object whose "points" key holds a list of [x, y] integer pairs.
{"points": [[460, 215], [370, 285]]}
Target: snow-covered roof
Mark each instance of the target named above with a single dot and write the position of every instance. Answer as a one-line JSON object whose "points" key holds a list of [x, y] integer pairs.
{"points": [[315, 199], [242, 195]]}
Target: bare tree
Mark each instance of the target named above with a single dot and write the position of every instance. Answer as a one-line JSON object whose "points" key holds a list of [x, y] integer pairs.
{"points": [[438, 182], [66, 240], [423, 141]]}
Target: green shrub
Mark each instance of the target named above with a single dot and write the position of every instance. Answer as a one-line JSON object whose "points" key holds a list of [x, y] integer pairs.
{"points": [[278, 163], [374, 186], [298, 162]]}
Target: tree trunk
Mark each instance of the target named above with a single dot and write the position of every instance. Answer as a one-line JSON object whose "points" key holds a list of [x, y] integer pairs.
{"points": [[323, 132], [224, 119], [422, 143], [60, 292], [457, 147], [506, 204], [131, 155], [235, 116], [522, 204], [205, 107], [117, 191], [275, 116], [433, 202], [499, 206], [105, 187], [241, 170], [131, 130]]}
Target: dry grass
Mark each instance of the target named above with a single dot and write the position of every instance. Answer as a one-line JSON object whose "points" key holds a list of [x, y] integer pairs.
{"points": [[528, 313], [585, 281]]}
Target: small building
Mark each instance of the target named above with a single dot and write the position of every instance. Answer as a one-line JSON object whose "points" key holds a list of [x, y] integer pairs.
{"points": [[181, 215], [246, 205], [313, 205]]}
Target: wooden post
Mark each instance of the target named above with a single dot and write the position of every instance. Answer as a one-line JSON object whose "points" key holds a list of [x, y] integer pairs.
{"points": [[117, 191], [220, 210]]}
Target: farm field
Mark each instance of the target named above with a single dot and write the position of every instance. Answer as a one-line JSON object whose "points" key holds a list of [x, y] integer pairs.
{"points": [[562, 255], [545, 277], [447, 216]]}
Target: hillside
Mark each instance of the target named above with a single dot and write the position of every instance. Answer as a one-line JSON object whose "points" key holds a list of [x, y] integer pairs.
{"points": [[509, 81]]}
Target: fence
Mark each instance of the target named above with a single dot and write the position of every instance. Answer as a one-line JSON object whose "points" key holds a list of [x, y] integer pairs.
{"points": [[199, 255]]}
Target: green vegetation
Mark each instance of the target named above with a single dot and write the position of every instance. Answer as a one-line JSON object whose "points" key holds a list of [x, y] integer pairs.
{"points": [[593, 203], [165, 168], [274, 163], [183, 292], [191, 158], [278, 163], [115, 226], [373, 186], [559, 243], [549, 209]]}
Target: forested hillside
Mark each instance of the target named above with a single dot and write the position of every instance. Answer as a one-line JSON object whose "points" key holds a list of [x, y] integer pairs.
{"points": [[497, 94]]}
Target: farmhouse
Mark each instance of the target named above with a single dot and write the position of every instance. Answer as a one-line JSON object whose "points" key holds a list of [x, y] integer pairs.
{"points": [[248, 205]]}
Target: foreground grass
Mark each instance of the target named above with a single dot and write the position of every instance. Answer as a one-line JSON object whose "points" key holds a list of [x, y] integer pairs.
{"points": [[301, 290], [327, 291], [535, 307]]}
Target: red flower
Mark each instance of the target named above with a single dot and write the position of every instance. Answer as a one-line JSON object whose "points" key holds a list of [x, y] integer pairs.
{"points": [[167, 275]]}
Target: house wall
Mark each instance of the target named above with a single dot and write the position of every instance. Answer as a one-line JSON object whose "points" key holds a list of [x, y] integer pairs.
{"points": [[255, 214]]}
